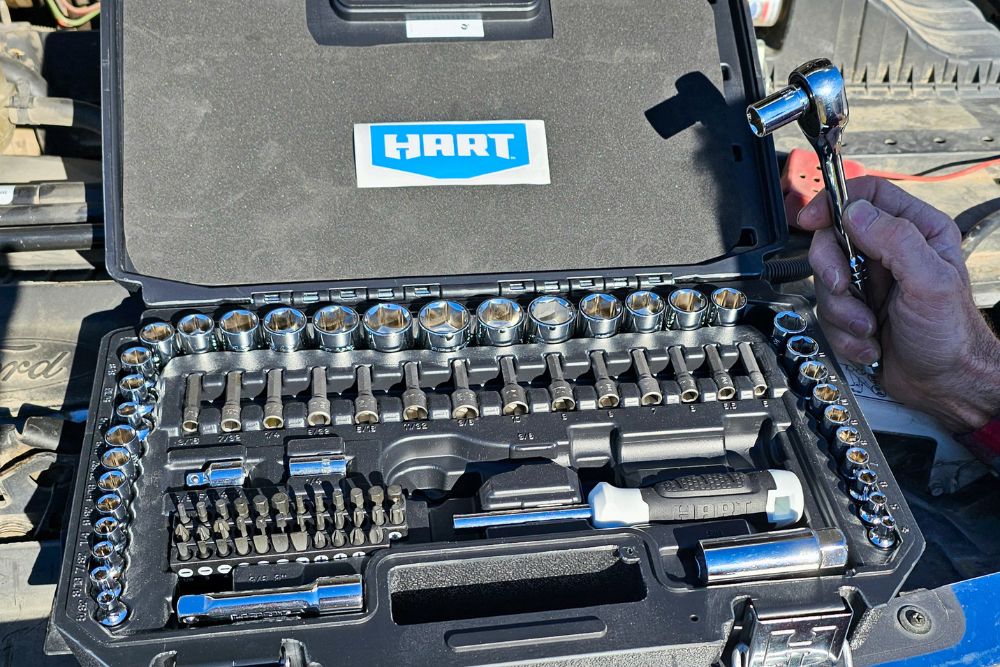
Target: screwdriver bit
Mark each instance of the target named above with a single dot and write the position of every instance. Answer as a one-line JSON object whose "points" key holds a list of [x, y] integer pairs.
{"points": [[377, 496], [339, 538], [560, 391], [318, 408], [182, 513], [241, 527], [515, 398], [607, 390], [203, 552], [375, 535], [319, 540], [395, 493], [203, 532], [414, 398], [201, 509], [260, 505], [181, 533], [319, 501], [279, 541], [242, 545], [340, 519], [183, 551], [222, 547], [357, 537], [463, 399], [261, 544], [222, 508], [397, 514], [338, 499], [357, 497], [300, 540], [649, 388], [231, 417], [274, 411], [279, 501], [723, 381], [261, 524], [689, 388], [320, 521], [221, 528], [242, 507]]}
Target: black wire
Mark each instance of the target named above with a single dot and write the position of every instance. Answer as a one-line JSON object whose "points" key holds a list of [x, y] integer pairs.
{"points": [[959, 163]]}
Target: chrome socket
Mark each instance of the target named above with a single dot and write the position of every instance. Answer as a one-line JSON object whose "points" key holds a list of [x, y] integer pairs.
{"points": [[192, 403], [239, 330], [337, 328], [550, 320], [689, 388], [274, 408], [883, 534], [865, 483], [875, 506], [284, 329], [823, 395], [515, 398], [160, 337], [560, 391], [599, 316], [365, 404], [501, 322], [810, 374], [644, 312], [464, 403], [232, 410], [388, 327], [135, 388], [845, 437], [125, 437], [414, 398], [855, 460], [138, 360], [687, 309], [113, 505], [728, 306], [445, 325], [725, 389], [136, 415], [109, 529], [103, 578], [112, 614], [114, 481], [787, 323], [834, 416], [649, 388], [318, 407], [196, 333], [753, 370], [799, 349], [105, 554], [606, 388]]}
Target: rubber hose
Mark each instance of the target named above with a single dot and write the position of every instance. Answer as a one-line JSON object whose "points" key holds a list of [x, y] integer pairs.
{"points": [[54, 237], [787, 269], [978, 232]]}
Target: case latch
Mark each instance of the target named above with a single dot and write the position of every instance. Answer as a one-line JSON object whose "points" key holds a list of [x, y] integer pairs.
{"points": [[811, 640]]}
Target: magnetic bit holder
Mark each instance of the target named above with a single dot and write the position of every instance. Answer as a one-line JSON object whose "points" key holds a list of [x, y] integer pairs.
{"points": [[816, 97], [218, 473]]}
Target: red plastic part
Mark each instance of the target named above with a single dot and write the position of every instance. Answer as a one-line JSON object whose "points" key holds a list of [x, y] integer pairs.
{"points": [[802, 180]]}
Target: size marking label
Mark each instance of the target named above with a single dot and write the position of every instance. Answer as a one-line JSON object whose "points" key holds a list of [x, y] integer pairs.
{"points": [[6, 194], [509, 152], [453, 28]]}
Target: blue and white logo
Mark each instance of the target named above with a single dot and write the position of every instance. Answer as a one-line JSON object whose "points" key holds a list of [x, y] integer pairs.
{"points": [[458, 153]]}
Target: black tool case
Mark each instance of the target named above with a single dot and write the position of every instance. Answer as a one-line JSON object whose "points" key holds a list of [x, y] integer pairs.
{"points": [[230, 183]]}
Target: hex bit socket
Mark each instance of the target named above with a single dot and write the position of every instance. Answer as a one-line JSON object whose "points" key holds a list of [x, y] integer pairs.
{"points": [[196, 333], [604, 386], [689, 388], [192, 403], [501, 322], [318, 407], [274, 409], [138, 359], [754, 374], [337, 328], [513, 395], [365, 404], [445, 325], [388, 327], [161, 337], [687, 309], [284, 329], [727, 306], [725, 389], [560, 391], [550, 320], [644, 312], [231, 410], [787, 323], [599, 316], [414, 398], [239, 330], [464, 403]]}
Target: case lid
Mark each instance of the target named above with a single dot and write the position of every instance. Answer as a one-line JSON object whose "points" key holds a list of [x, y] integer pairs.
{"points": [[231, 139]]}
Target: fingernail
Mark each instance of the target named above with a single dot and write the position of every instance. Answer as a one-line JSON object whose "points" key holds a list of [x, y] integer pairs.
{"points": [[860, 328], [832, 279], [869, 356], [806, 215], [861, 214]]}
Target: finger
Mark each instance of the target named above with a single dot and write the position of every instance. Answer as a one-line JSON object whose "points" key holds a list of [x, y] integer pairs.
{"points": [[815, 214], [845, 312], [829, 262], [847, 346]]}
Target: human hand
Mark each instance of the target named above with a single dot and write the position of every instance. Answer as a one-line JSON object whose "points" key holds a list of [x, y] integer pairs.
{"points": [[938, 353]]}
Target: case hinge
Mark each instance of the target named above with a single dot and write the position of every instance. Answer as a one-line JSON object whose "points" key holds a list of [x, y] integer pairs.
{"points": [[809, 640]]}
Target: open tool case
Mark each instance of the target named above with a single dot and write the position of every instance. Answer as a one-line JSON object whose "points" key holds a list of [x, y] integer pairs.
{"points": [[230, 184]]}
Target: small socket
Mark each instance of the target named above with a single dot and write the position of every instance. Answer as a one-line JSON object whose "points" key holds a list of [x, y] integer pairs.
{"points": [[845, 437], [810, 374], [864, 483], [823, 395], [875, 506], [725, 389], [103, 578], [161, 337], [196, 333], [136, 415], [515, 398], [239, 330], [414, 398], [855, 460], [753, 369], [599, 316], [835, 417], [106, 554], [274, 409], [318, 408], [644, 312], [728, 306], [232, 419], [464, 403], [119, 458], [388, 327], [799, 349], [501, 322], [649, 388], [687, 308], [445, 325], [112, 613], [109, 529], [606, 388], [550, 320], [365, 404], [135, 388], [787, 323], [560, 391], [113, 505], [337, 328], [284, 329], [883, 534], [125, 437], [138, 359], [689, 388], [114, 481]]}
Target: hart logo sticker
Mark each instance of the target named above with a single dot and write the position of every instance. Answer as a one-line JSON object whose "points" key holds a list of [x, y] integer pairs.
{"points": [[392, 155]]}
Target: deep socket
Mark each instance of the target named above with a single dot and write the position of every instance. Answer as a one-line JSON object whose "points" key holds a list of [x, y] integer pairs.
{"points": [[799, 349], [161, 337], [604, 386], [649, 388], [138, 359], [726, 390], [834, 416], [414, 398], [855, 460], [274, 409], [135, 388], [689, 388], [239, 330], [787, 323], [196, 333], [464, 403], [365, 404], [550, 320], [445, 325], [883, 534], [644, 312], [231, 410], [318, 408], [124, 436], [337, 328], [727, 306], [284, 329], [599, 316], [823, 395], [192, 403], [515, 398], [875, 506], [388, 327], [136, 415], [764, 556], [844, 437], [811, 373], [753, 369], [687, 309], [560, 391], [501, 322], [864, 483]]}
